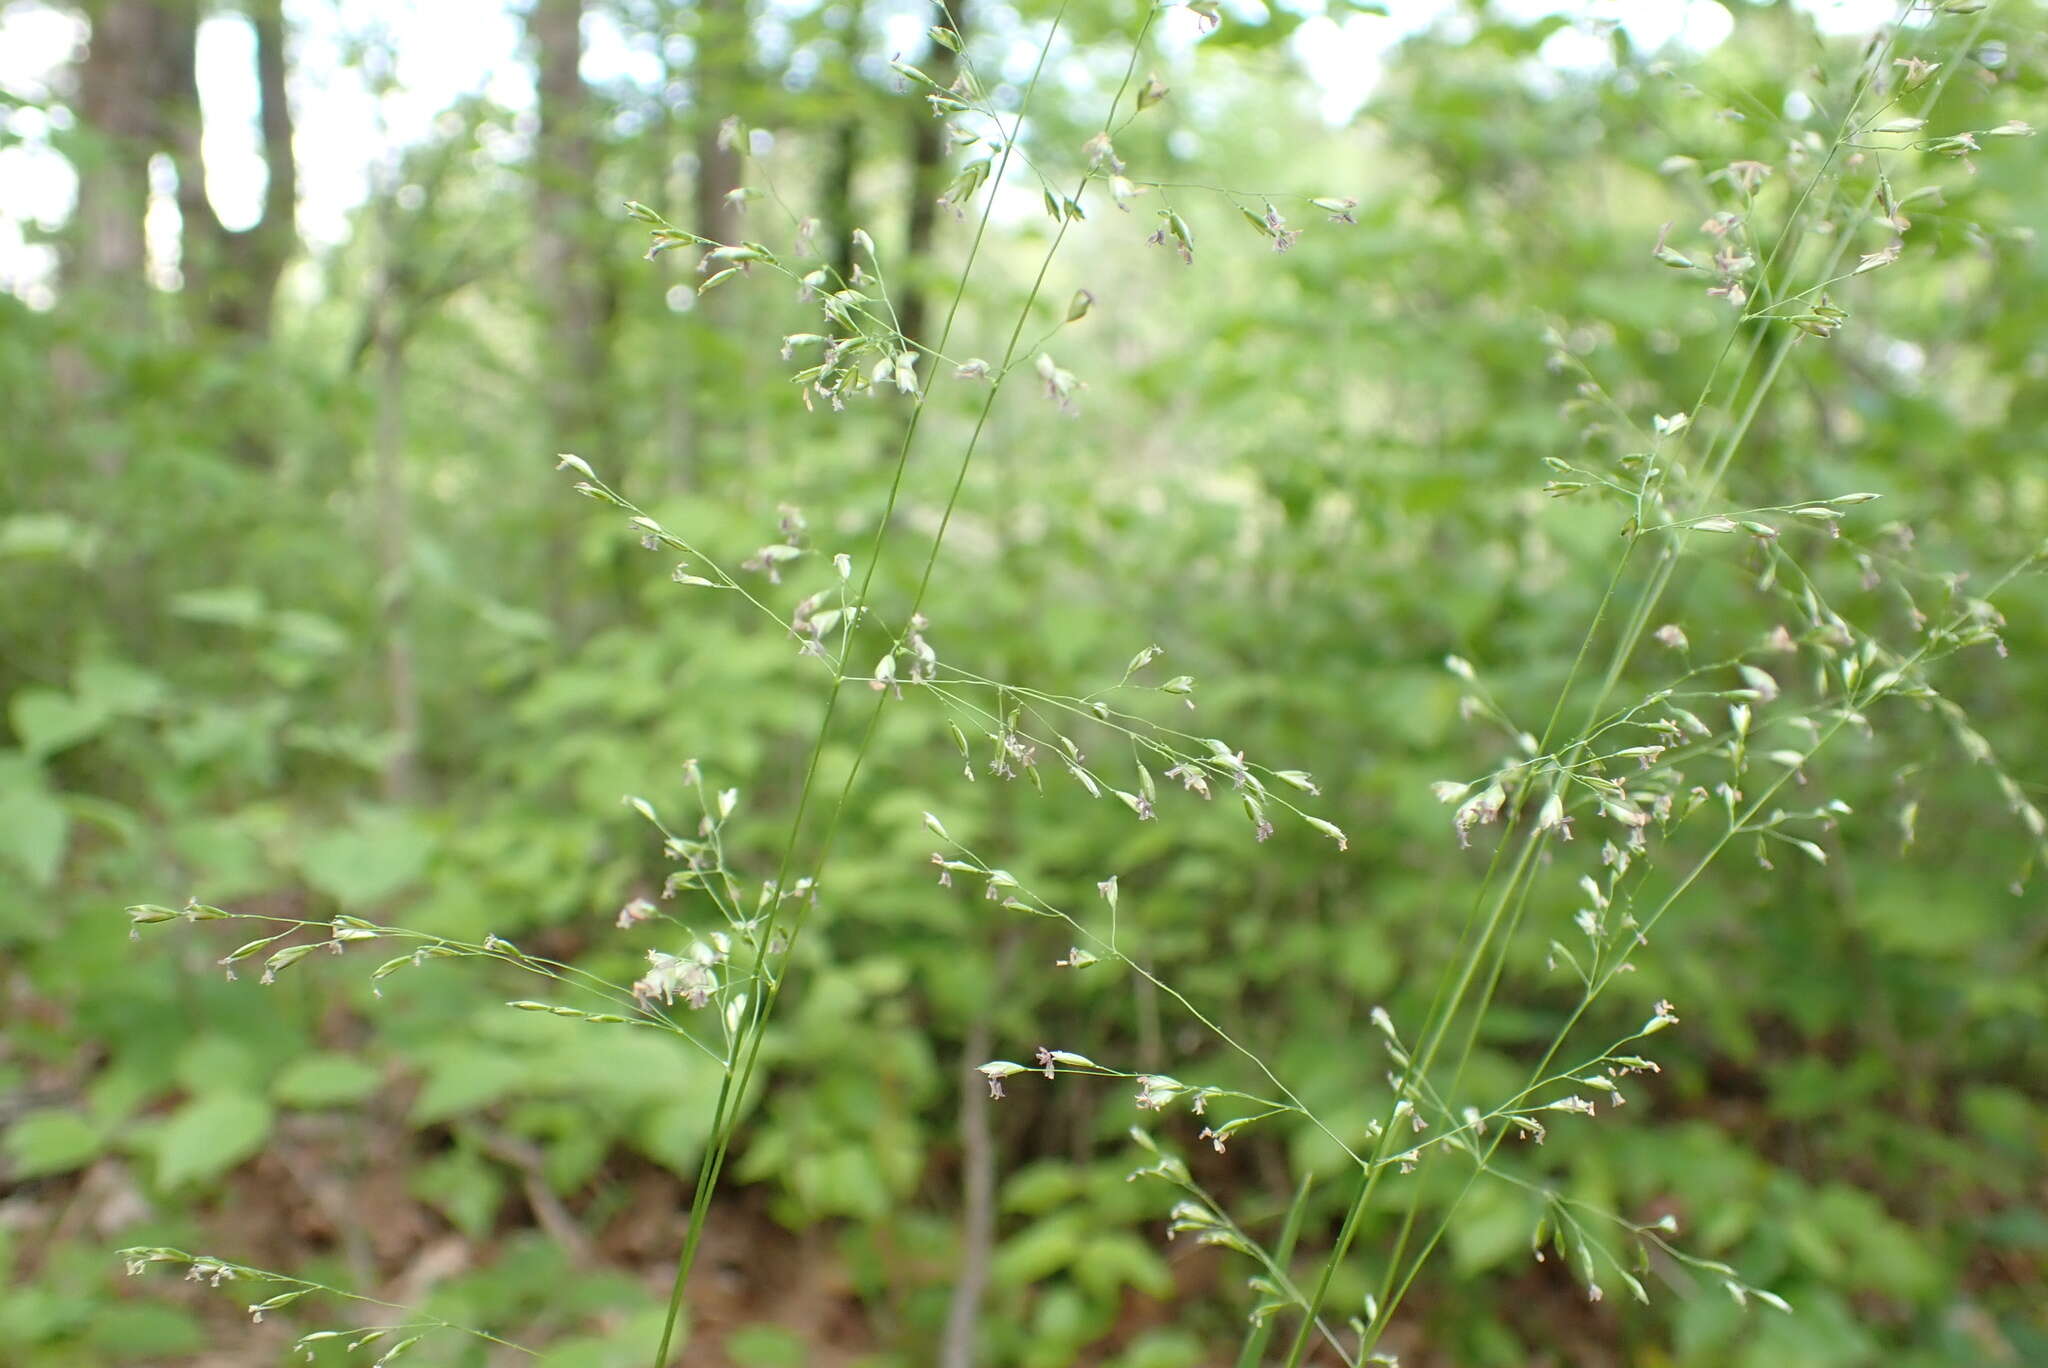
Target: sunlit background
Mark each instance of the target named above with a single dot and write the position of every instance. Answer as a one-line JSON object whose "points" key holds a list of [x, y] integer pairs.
{"points": [[438, 50]]}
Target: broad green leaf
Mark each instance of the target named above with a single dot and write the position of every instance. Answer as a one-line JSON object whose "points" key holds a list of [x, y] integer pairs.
{"points": [[54, 1140], [144, 1331], [225, 854], [630, 1340], [463, 1186], [36, 536], [47, 721], [1165, 1348], [325, 1080], [1041, 1187], [233, 606], [462, 1078], [1114, 1260], [33, 823], [672, 1136], [1492, 1226], [766, 1346], [217, 1063], [208, 1136], [368, 862], [309, 633], [119, 687], [843, 1180], [1039, 1251]]}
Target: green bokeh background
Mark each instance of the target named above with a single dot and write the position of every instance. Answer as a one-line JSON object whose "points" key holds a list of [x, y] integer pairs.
{"points": [[1307, 475]]}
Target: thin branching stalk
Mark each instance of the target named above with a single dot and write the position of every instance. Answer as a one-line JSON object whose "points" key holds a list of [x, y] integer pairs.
{"points": [[1506, 907]]}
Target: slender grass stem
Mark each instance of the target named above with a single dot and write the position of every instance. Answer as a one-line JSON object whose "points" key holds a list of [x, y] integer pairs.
{"points": [[1513, 899], [742, 1069]]}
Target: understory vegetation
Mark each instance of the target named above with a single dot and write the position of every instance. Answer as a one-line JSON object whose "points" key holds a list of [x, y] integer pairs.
{"points": [[981, 684]]}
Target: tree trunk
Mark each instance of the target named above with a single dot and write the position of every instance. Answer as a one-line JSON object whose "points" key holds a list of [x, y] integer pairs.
{"points": [[139, 95], [721, 59], [231, 275], [105, 263], [717, 139], [835, 186], [927, 179], [117, 108], [567, 261], [394, 559], [960, 1346], [835, 196], [669, 175]]}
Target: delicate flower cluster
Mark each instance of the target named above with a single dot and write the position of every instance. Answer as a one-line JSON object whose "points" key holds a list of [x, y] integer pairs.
{"points": [[1156, 1092], [924, 661], [691, 976]]}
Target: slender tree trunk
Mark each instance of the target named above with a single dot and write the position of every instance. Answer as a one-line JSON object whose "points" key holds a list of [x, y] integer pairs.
{"points": [[394, 555], [721, 61], [567, 263], [410, 286], [569, 254], [231, 275], [117, 108], [716, 134], [977, 1206], [669, 175], [960, 1348], [122, 92], [139, 95], [264, 249], [835, 195], [842, 161], [927, 167]]}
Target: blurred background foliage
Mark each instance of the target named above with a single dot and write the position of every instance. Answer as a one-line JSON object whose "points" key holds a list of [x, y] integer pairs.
{"points": [[299, 620]]}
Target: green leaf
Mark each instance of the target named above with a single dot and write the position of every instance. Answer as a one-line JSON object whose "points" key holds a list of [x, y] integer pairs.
{"points": [[672, 1136], [841, 1180], [55, 1140], [1039, 1251], [462, 1078], [225, 855], [463, 1186], [1165, 1348], [217, 1063], [33, 823], [119, 687], [47, 721], [1115, 1260], [369, 862], [628, 1339], [309, 633], [767, 1346], [1039, 1188], [1492, 1227], [144, 1330], [45, 536], [210, 1135], [234, 606], [326, 1080]]}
